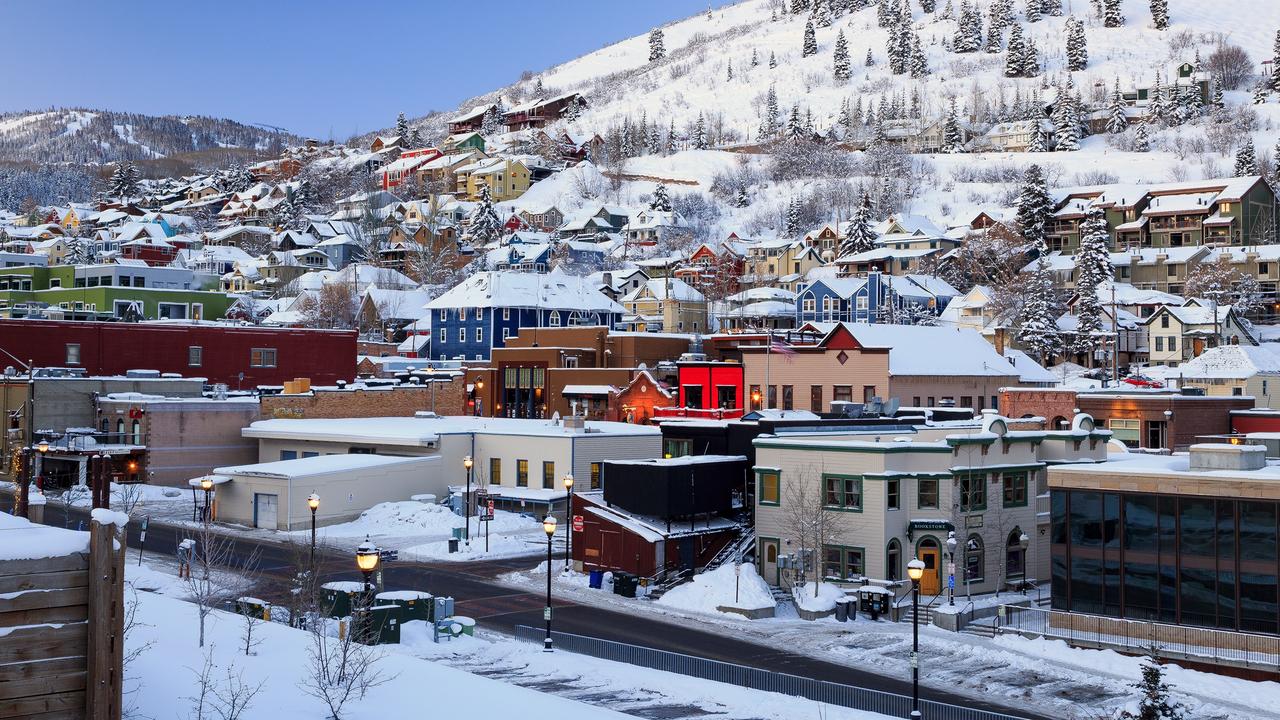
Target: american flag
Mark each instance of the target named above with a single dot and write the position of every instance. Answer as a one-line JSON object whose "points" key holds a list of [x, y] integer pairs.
{"points": [[780, 347]]}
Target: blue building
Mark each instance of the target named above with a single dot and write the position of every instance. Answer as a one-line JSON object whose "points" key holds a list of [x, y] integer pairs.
{"points": [[876, 298], [484, 310]]}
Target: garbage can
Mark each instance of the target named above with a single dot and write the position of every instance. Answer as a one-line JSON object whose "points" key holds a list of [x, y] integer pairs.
{"points": [[624, 584], [453, 545], [595, 579], [468, 624], [842, 609], [385, 624], [337, 598]]}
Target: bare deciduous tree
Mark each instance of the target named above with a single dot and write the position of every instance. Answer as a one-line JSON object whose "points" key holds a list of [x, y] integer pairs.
{"points": [[806, 519], [340, 669], [217, 573]]}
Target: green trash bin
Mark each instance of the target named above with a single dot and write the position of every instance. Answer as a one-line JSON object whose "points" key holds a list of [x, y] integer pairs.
{"points": [[414, 604], [384, 624], [468, 624], [338, 598]]}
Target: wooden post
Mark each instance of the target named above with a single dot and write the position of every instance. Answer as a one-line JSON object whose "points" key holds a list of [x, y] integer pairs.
{"points": [[104, 684]]}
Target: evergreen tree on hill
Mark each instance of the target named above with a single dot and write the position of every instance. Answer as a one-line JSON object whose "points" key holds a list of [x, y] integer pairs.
{"points": [[1117, 120], [810, 41], [1160, 14], [1093, 269], [842, 70], [661, 201], [1034, 207], [1077, 46], [1112, 16], [1246, 160], [402, 129], [860, 237]]}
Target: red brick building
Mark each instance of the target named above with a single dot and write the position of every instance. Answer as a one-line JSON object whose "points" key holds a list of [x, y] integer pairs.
{"points": [[240, 356]]}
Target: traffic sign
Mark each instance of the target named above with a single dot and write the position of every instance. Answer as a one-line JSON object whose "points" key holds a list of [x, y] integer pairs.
{"points": [[951, 568], [951, 582], [486, 510], [546, 613], [577, 523]]}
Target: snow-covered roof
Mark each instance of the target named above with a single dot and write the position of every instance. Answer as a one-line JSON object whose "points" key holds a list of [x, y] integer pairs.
{"points": [[422, 431], [321, 465], [1029, 371], [914, 349], [532, 290], [1232, 362], [762, 293], [665, 289]]}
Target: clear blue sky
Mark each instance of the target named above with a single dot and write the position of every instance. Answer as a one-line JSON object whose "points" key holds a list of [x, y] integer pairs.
{"points": [[315, 67]]}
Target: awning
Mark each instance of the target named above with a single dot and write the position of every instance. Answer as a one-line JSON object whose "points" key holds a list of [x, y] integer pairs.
{"points": [[588, 390]]}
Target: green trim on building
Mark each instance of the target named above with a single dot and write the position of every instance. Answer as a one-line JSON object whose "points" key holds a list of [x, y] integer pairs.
{"points": [[760, 486], [842, 507], [885, 449]]}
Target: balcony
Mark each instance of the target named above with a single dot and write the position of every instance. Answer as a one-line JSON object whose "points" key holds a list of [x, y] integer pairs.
{"points": [[699, 413]]}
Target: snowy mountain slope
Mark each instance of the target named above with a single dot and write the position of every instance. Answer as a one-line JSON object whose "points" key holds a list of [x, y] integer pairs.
{"points": [[622, 86], [98, 136]]}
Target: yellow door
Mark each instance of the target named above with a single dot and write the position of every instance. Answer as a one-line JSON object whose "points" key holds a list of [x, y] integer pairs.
{"points": [[931, 582]]}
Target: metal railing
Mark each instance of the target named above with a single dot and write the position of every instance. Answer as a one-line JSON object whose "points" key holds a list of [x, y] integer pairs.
{"points": [[756, 679], [1218, 647]]}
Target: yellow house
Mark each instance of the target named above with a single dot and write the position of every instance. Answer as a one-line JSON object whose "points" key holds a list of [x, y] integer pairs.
{"points": [[507, 179]]}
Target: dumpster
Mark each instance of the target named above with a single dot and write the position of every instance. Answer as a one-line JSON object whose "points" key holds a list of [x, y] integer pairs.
{"points": [[414, 604], [453, 545], [384, 624], [250, 606], [624, 584], [842, 609], [338, 598], [595, 579]]}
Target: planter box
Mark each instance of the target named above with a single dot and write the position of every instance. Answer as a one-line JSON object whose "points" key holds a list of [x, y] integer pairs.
{"points": [[750, 614]]}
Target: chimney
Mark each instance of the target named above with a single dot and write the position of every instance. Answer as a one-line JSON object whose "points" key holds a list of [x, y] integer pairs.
{"points": [[1000, 340]]}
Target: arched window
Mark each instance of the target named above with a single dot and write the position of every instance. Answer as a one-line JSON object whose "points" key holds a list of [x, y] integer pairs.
{"points": [[893, 560], [975, 561], [120, 430], [555, 319], [137, 432], [1015, 555]]}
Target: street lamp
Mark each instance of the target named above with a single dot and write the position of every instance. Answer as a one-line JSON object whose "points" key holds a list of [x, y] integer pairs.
{"points": [[568, 526], [548, 525], [431, 371], [467, 463], [367, 562], [206, 484], [1023, 543], [915, 570], [313, 502], [951, 565], [479, 397]]}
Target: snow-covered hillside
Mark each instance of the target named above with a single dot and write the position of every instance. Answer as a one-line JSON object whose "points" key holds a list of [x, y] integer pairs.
{"points": [[721, 65]]}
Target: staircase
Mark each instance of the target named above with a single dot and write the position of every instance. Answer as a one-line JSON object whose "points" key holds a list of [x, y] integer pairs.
{"points": [[733, 551], [924, 614], [671, 580], [981, 628]]}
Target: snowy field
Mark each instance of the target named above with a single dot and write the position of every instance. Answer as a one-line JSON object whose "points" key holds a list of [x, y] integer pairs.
{"points": [[1044, 675]]}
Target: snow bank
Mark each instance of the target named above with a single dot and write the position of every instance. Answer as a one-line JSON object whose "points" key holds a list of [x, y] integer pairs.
{"points": [[716, 589], [411, 518], [110, 517], [825, 601]]}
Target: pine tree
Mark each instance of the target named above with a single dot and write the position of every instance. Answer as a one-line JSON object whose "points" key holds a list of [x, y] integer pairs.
{"points": [[810, 41], [728, 75], [1032, 11], [799, 6], [771, 112], [491, 122], [1155, 702], [1141, 139], [870, 60], [755, 60], [1015, 53], [968, 37], [1051, 7], [402, 129], [792, 228], [952, 137], [1066, 120], [1275, 64], [860, 237], [919, 63], [1038, 321], [994, 45], [1030, 58], [1160, 14], [1093, 269], [773, 60], [884, 14], [484, 223], [1111, 15], [657, 49], [661, 201], [742, 200], [1038, 142], [1034, 207], [1246, 161], [927, 6], [1077, 46], [672, 139], [795, 127], [124, 181], [1260, 93], [1117, 120], [1156, 108], [840, 59], [415, 139], [1003, 11], [700, 140], [821, 14]]}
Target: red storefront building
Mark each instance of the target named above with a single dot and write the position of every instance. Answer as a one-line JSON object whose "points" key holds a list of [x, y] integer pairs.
{"points": [[241, 357]]}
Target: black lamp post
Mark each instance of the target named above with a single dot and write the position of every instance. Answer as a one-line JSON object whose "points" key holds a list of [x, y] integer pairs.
{"points": [[367, 562], [313, 502], [951, 563], [467, 463], [549, 525], [915, 570], [568, 525], [206, 484]]}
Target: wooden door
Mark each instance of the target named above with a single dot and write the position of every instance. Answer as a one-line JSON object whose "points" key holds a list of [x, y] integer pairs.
{"points": [[769, 561], [931, 582]]}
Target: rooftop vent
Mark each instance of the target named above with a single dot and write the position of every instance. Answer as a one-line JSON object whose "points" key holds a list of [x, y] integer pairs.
{"points": [[1225, 456]]}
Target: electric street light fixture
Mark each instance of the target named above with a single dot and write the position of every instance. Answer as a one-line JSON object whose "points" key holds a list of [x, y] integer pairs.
{"points": [[206, 484], [367, 561], [549, 526], [467, 463], [915, 570], [313, 502], [568, 526]]}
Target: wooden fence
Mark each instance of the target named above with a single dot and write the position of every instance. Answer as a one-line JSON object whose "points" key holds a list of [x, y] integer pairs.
{"points": [[62, 647]]}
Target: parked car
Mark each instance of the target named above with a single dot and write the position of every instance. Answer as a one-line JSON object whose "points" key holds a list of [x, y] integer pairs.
{"points": [[1143, 381]]}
